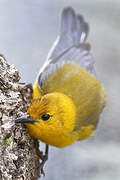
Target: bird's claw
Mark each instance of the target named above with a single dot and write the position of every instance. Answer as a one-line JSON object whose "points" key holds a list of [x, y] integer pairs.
{"points": [[26, 92], [44, 158]]}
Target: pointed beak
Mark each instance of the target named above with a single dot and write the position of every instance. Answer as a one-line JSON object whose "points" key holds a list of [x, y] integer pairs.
{"points": [[25, 120]]}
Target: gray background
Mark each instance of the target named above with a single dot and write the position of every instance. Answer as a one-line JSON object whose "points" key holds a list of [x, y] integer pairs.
{"points": [[27, 31]]}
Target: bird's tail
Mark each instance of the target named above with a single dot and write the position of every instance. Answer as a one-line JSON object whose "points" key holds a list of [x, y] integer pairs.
{"points": [[70, 46], [73, 33]]}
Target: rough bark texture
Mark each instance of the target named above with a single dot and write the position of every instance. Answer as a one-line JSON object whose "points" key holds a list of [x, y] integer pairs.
{"points": [[19, 158]]}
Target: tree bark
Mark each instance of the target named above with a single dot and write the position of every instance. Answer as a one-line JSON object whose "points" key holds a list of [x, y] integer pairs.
{"points": [[19, 159]]}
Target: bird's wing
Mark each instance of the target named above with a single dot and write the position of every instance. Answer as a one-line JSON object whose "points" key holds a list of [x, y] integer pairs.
{"points": [[86, 92], [69, 46], [69, 69]]}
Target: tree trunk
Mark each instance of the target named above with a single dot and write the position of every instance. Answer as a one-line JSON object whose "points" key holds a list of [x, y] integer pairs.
{"points": [[19, 158]]}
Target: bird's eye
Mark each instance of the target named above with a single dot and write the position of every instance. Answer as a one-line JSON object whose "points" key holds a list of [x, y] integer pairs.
{"points": [[45, 117]]}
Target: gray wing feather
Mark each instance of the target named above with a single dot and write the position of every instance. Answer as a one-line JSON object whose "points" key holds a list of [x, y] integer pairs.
{"points": [[69, 46]]}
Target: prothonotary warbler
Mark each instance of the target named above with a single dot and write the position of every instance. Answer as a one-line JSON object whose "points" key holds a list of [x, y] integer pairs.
{"points": [[67, 96]]}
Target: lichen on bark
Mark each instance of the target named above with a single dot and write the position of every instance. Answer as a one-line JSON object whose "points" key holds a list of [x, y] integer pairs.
{"points": [[19, 159]]}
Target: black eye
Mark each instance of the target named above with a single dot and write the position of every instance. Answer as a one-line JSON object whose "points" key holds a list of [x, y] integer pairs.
{"points": [[45, 117]]}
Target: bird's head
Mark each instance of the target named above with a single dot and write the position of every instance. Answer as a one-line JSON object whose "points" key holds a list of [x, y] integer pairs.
{"points": [[50, 117]]}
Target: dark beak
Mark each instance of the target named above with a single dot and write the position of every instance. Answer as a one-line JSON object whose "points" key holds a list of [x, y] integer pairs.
{"points": [[25, 120]]}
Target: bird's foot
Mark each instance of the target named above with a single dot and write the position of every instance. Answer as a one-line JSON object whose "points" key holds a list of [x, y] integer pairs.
{"points": [[26, 92], [43, 158]]}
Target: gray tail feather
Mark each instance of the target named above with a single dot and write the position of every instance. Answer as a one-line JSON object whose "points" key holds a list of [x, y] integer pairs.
{"points": [[70, 46], [74, 26], [73, 33]]}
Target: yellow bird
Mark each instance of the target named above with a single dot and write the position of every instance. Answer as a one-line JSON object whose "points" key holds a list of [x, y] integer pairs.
{"points": [[67, 97]]}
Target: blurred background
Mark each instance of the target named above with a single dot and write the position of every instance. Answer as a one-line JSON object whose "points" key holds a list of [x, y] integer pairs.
{"points": [[27, 31]]}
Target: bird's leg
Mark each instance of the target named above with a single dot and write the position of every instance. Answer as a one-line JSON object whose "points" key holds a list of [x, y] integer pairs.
{"points": [[44, 158], [26, 92]]}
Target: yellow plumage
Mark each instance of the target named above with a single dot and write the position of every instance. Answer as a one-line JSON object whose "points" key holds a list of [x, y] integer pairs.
{"points": [[75, 106], [67, 98]]}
